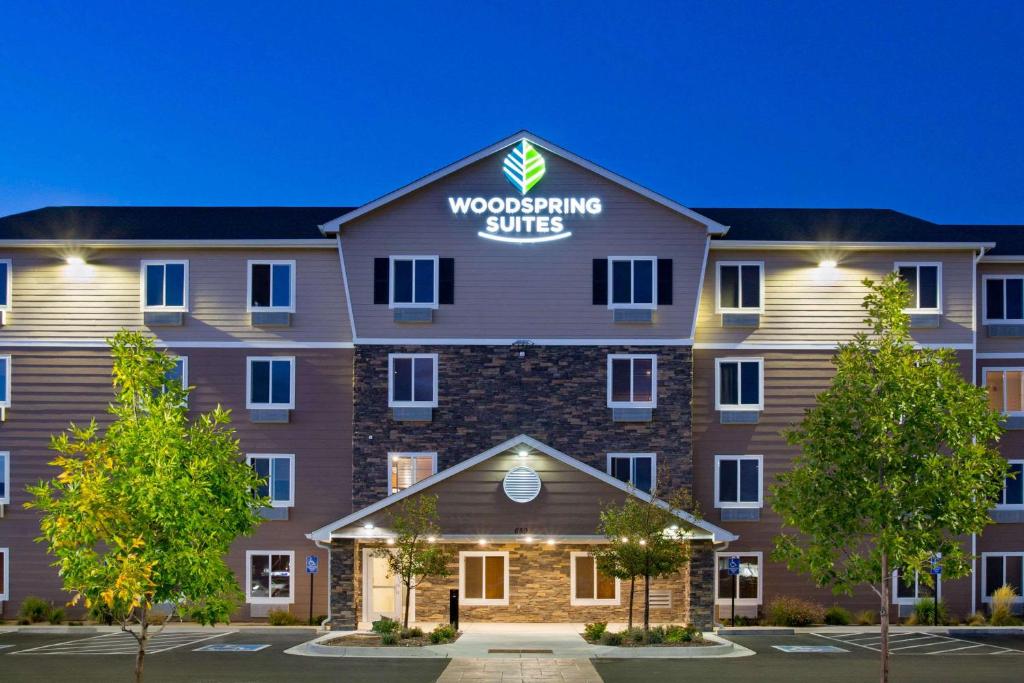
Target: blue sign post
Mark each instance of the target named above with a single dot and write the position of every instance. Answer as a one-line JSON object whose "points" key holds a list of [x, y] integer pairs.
{"points": [[734, 572], [936, 572], [312, 565]]}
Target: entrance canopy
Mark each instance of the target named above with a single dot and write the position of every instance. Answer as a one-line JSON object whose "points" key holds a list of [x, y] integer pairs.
{"points": [[521, 489]]}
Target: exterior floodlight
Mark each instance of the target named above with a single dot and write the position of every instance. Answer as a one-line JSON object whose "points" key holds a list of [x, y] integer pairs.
{"points": [[827, 263], [74, 260]]}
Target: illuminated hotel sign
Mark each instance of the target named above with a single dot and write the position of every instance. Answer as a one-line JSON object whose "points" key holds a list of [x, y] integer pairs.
{"points": [[525, 220]]}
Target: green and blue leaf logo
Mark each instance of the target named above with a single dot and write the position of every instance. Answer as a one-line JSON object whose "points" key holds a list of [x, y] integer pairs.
{"points": [[524, 166]]}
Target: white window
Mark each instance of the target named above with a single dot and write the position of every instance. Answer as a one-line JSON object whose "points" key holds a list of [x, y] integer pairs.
{"points": [[632, 282], [636, 469], [278, 473], [739, 384], [5, 284], [1012, 497], [271, 286], [179, 373], [908, 588], [1005, 388], [5, 381], [164, 285], [270, 383], [483, 577], [925, 283], [999, 569], [738, 481], [406, 469], [4, 574], [414, 282], [746, 586], [589, 586], [412, 380], [740, 287], [5, 478], [632, 381], [1004, 299], [269, 578]]}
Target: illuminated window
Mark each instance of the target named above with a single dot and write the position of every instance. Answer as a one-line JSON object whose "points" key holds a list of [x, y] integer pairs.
{"points": [[747, 583], [999, 569], [738, 384], [414, 281], [1005, 388], [631, 282], [738, 481], [412, 380], [483, 578], [925, 283], [632, 381], [1012, 496], [272, 286], [406, 469], [740, 287], [271, 383], [278, 473], [269, 576], [636, 469], [165, 285], [589, 586], [1004, 299]]}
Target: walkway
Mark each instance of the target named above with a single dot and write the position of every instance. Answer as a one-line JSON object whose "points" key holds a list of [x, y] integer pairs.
{"points": [[525, 670]]}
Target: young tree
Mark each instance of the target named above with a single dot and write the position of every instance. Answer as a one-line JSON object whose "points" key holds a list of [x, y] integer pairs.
{"points": [[896, 462], [643, 541], [144, 510], [414, 556]]}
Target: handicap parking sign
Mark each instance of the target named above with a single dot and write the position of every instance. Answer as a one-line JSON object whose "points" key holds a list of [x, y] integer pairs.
{"points": [[734, 566], [312, 564], [936, 565]]}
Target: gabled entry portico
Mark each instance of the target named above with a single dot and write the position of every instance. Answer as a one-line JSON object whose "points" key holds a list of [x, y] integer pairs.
{"points": [[521, 519]]}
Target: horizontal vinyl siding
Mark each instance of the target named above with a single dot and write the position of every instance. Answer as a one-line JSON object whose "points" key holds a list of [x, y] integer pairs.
{"points": [[52, 300], [804, 304], [523, 291]]}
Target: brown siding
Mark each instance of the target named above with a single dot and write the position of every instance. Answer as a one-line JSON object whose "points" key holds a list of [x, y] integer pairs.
{"points": [[523, 291], [52, 300]]}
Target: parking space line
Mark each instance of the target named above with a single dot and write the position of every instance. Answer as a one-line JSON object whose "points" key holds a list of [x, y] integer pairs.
{"points": [[841, 640], [125, 645], [102, 635], [957, 649]]}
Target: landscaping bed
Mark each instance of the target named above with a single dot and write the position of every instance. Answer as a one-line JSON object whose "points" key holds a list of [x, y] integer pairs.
{"points": [[657, 636], [389, 633], [376, 640]]}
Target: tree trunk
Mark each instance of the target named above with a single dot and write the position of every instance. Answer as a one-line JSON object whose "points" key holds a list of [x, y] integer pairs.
{"points": [[632, 591], [883, 614], [405, 619], [647, 603], [141, 654]]}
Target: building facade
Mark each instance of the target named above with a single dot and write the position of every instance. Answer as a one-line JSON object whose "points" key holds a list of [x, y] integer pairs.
{"points": [[523, 334]]}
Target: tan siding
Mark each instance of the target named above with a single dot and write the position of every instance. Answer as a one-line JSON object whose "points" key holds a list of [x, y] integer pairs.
{"points": [[52, 300], [806, 304], [987, 344], [523, 291]]}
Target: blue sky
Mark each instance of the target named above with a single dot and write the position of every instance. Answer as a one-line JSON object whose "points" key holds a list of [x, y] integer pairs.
{"points": [[912, 106]]}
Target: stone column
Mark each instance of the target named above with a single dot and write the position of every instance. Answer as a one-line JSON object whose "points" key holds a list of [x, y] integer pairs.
{"points": [[702, 585], [343, 585]]}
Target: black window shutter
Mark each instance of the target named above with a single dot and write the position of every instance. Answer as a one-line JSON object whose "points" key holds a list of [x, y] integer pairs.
{"points": [[381, 276], [446, 281], [600, 282], [664, 282]]}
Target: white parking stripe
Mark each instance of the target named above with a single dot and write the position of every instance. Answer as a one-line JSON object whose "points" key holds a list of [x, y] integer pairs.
{"points": [[125, 644], [948, 644], [956, 649]]}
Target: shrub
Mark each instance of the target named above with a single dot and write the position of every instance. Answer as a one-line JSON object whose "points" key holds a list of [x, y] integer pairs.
{"points": [[281, 617], [924, 612], [443, 633], [789, 611], [36, 610], [655, 635], [101, 614], [682, 634], [866, 618], [158, 618], [317, 620], [634, 634], [57, 615], [611, 638], [595, 631], [1002, 607], [414, 632], [837, 616], [389, 638], [976, 619], [385, 625]]}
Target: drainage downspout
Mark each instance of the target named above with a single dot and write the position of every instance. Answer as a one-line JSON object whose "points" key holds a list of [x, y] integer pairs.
{"points": [[318, 544], [974, 381]]}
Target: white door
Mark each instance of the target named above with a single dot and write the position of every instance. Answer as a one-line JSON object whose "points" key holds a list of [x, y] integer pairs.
{"points": [[381, 594]]}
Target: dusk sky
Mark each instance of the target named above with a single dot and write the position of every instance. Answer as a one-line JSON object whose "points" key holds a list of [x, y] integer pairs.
{"points": [[917, 107]]}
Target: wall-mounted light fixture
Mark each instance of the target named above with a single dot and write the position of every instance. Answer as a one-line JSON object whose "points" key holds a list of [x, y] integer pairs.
{"points": [[74, 260], [827, 263], [524, 453]]}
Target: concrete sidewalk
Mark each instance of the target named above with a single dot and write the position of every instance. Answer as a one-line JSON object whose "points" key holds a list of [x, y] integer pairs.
{"points": [[526, 670]]}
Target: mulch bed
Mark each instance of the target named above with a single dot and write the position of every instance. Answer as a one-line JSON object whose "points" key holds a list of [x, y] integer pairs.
{"points": [[373, 640], [629, 643]]}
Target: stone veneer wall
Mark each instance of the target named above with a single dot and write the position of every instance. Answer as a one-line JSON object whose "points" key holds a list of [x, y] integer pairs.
{"points": [[345, 585], [488, 394], [702, 585]]}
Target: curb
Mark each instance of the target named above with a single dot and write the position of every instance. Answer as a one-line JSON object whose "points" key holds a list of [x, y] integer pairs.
{"points": [[171, 628], [725, 648], [755, 631]]}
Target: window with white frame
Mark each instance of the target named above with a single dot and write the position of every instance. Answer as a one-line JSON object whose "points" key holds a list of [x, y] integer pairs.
{"points": [[5, 381], [5, 555], [1012, 496], [1005, 387], [738, 481], [5, 284], [270, 383], [588, 585], [636, 469], [165, 285], [740, 287], [272, 286], [406, 469], [414, 282], [1004, 299], [269, 576], [278, 474], [925, 283], [999, 569], [909, 587], [632, 282], [739, 384], [483, 577], [412, 380], [632, 381], [5, 478], [747, 585]]}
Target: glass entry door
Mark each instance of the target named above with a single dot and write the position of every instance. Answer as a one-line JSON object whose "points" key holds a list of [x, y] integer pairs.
{"points": [[382, 594]]}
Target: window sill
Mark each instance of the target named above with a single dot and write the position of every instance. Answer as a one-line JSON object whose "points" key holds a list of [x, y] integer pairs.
{"points": [[741, 319], [274, 514], [741, 514], [170, 318], [632, 315], [1013, 422], [1007, 515], [413, 315], [631, 414], [727, 416], [412, 413], [270, 415], [925, 320], [573, 602], [271, 318], [1004, 329]]}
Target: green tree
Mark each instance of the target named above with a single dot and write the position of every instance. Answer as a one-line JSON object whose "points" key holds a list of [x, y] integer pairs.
{"points": [[643, 541], [896, 462], [144, 510], [415, 555]]}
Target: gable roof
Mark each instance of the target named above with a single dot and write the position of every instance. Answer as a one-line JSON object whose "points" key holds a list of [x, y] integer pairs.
{"points": [[713, 227], [324, 532]]}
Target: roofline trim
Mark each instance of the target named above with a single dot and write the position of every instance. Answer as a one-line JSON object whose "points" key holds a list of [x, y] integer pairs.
{"points": [[713, 227], [737, 245], [325, 533], [314, 243]]}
